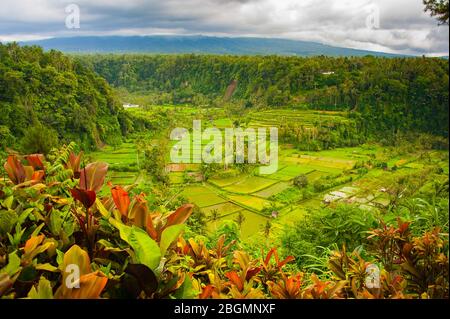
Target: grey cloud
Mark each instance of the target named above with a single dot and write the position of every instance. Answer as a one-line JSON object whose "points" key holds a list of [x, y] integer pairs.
{"points": [[404, 27]]}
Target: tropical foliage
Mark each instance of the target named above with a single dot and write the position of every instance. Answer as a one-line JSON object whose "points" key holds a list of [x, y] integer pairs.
{"points": [[60, 239]]}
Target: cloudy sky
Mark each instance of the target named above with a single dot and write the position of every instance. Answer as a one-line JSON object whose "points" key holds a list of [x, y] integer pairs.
{"points": [[397, 26]]}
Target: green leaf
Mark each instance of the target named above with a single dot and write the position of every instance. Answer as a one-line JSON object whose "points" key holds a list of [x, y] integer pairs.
{"points": [[8, 219], [13, 266], [61, 222], [24, 215], [146, 250], [108, 246], [43, 291], [8, 202], [169, 235], [37, 230], [101, 208], [59, 257], [186, 290], [46, 267]]}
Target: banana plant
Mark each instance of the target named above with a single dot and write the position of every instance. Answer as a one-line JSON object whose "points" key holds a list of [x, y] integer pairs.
{"points": [[22, 175]]}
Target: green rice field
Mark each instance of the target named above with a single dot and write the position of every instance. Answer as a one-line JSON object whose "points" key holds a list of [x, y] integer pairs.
{"points": [[229, 192]]}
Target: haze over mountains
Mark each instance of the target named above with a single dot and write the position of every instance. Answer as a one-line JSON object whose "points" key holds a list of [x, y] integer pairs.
{"points": [[196, 44]]}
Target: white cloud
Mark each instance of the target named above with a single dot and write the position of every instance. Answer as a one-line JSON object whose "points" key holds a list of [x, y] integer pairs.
{"points": [[404, 27]]}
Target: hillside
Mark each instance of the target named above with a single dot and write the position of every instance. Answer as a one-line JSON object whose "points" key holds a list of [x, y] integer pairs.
{"points": [[197, 44], [51, 95], [395, 94]]}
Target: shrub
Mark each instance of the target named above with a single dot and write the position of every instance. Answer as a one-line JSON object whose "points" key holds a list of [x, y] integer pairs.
{"points": [[39, 139], [301, 181]]}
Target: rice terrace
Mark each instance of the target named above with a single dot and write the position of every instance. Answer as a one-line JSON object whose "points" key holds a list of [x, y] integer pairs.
{"points": [[334, 176], [236, 167]]}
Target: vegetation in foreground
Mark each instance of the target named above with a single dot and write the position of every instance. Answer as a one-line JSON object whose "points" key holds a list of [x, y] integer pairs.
{"points": [[52, 218]]}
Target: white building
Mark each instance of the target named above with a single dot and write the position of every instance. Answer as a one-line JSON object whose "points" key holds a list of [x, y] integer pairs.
{"points": [[130, 106]]}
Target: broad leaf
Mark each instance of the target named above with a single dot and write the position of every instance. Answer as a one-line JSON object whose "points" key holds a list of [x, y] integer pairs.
{"points": [[235, 279], [145, 248], [91, 284], [86, 197], [73, 163], [15, 170], [43, 290], [76, 256], [145, 278], [180, 215], [186, 290], [36, 161], [13, 266], [90, 287], [93, 176], [121, 199], [168, 236]]}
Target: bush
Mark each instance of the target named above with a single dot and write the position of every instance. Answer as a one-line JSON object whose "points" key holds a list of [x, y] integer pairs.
{"points": [[6, 139], [301, 181], [39, 139], [343, 225]]}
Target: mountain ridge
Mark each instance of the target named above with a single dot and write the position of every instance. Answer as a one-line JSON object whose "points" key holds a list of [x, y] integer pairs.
{"points": [[176, 44]]}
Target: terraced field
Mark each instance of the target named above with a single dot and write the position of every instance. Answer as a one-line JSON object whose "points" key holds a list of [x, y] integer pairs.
{"points": [[228, 192], [279, 117], [124, 162]]}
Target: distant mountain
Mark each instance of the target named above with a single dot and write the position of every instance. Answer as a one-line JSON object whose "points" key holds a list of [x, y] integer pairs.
{"points": [[196, 44]]}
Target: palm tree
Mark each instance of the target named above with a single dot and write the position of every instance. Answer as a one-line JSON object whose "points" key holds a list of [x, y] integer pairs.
{"points": [[267, 230], [240, 218], [214, 216]]}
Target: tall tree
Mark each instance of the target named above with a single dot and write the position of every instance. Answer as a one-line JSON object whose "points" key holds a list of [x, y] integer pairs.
{"points": [[438, 8]]}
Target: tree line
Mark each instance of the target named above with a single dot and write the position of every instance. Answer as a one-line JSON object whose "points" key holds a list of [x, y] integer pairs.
{"points": [[47, 98], [391, 94]]}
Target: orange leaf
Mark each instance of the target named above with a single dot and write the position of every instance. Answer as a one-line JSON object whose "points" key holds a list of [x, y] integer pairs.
{"points": [[32, 243], [35, 160], [121, 199], [139, 213], [206, 292], [91, 286], [15, 170], [235, 279], [151, 231], [74, 163], [180, 215], [287, 260], [269, 256], [38, 176], [93, 176]]}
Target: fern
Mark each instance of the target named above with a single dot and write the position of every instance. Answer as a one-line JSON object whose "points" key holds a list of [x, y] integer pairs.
{"points": [[61, 175], [62, 159]]}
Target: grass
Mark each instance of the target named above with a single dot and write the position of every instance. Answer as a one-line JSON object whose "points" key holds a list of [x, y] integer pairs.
{"points": [[223, 182], [289, 195], [272, 190], [125, 154], [222, 209], [252, 225], [250, 201], [121, 178], [315, 175], [202, 196], [250, 184]]}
